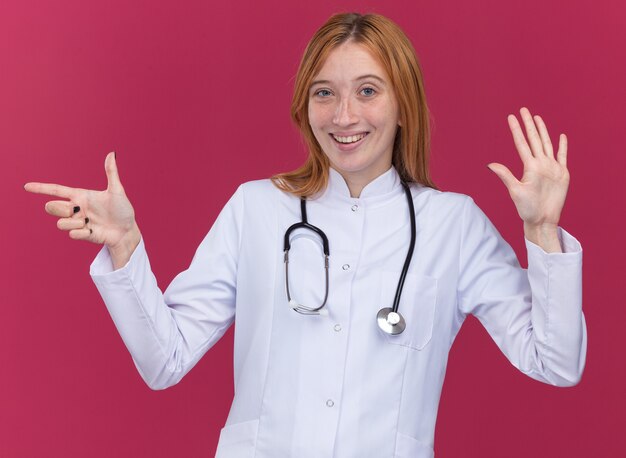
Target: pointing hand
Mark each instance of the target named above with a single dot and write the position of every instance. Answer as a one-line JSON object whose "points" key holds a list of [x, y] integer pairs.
{"points": [[97, 216]]}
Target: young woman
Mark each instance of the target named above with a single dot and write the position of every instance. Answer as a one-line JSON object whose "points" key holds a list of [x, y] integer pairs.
{"points": [[349, 278]]}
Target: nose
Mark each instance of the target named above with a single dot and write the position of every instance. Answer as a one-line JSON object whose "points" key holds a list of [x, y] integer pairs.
{"points": [[345, 114]]}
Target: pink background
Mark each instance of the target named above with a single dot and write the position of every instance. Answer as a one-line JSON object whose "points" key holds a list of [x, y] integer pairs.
{"points": [[194, 97]]}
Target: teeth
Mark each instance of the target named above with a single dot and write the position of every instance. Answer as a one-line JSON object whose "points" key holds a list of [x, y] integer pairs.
{"points": [[351, 139]]}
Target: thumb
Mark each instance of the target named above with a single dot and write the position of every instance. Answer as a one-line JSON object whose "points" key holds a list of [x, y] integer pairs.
{"points": [[504, 174], [113, 179]]}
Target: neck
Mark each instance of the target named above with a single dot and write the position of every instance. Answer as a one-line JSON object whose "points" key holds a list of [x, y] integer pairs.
{"points": [[356, 183], [355, 189]]}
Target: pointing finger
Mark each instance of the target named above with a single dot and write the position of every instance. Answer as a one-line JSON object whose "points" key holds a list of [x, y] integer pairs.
{"points": [[50, 189]]}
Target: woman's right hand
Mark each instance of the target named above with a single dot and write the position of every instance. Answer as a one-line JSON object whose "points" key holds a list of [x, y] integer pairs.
{"points": [[96, 216]]}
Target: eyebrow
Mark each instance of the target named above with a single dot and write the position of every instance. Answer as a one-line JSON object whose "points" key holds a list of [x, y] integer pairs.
{"points": [[364, 77]]}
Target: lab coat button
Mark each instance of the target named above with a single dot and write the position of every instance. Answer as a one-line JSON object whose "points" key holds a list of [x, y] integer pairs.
{"points": [[337, 327], [330, 403], [345, 266], [354, 208]]}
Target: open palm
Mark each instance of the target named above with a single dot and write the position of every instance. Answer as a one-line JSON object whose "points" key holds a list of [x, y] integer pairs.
{"points": [[540, 194]]}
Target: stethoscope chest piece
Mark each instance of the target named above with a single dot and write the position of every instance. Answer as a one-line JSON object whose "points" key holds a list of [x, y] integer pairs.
{"points": [[390, 322]]}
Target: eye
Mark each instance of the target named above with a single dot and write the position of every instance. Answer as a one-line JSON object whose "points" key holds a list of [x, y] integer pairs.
{"points": [[368, 91], [322, 93]]}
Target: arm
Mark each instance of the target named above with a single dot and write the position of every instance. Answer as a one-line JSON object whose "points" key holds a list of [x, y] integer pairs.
{"points": [[536, 319], [535, 316], [168, 333]]}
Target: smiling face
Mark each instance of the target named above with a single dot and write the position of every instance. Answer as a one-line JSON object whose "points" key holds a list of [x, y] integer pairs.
{"points": [[354, 115]]}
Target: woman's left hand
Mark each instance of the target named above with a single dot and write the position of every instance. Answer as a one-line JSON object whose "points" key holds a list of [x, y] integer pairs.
{"points": [[540, 195]]}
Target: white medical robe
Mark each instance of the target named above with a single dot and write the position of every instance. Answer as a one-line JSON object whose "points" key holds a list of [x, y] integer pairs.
{"points": [[336, 385]]}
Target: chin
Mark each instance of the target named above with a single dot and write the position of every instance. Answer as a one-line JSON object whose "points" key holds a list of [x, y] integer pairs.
{"points": [[347, 166], [362, 170]]}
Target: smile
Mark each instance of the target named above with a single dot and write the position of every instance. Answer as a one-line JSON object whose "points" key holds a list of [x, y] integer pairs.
{"points": [[349, 139]]}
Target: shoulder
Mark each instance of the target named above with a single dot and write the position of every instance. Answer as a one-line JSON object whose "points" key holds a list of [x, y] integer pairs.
{"points": [[442, 203], [451, 210], [260, 196], [453, 216], [263, 189], [264, 185]]}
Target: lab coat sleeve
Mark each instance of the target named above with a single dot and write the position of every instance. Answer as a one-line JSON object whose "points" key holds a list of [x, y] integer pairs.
{"points": [[168, 333], [535, 315]]}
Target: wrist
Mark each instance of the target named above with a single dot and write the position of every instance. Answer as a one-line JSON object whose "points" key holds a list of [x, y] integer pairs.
{"points": [[122, 250], [544, 235]]}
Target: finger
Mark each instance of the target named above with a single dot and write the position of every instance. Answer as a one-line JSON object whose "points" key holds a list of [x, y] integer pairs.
{"points": [[545, 137], [504, 174], [518, 138], [81, 234], [531, 133], [67, 224], [50, 189], [113, 178], [561, 155], [61, 208]]}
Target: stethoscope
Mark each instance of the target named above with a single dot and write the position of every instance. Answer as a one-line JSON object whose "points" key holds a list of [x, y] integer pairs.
{"points": [[388, 318]]}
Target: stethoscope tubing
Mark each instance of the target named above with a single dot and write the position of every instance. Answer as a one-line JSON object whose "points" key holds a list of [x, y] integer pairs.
{"points": [[300, 308], [409, 256], [389, 320]]}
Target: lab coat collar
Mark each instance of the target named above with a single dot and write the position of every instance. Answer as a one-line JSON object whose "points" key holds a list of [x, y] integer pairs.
{"points": [[380, 189]]}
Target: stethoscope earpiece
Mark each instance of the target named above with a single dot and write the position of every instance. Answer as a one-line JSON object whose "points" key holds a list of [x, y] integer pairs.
{"points": [[304, 310]]}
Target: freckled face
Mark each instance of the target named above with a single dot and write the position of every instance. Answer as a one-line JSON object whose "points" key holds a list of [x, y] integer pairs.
{"points": [[353, 113]]}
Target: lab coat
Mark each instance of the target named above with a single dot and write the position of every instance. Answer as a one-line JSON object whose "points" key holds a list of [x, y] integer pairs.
{"points": [[336, 385]]}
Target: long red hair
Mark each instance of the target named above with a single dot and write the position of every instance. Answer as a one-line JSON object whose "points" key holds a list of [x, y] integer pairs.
{"points": [[388, 43]]}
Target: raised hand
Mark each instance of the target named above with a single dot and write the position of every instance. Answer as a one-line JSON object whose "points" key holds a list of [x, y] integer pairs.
{"points": [[96, 216], [540, 195]]}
